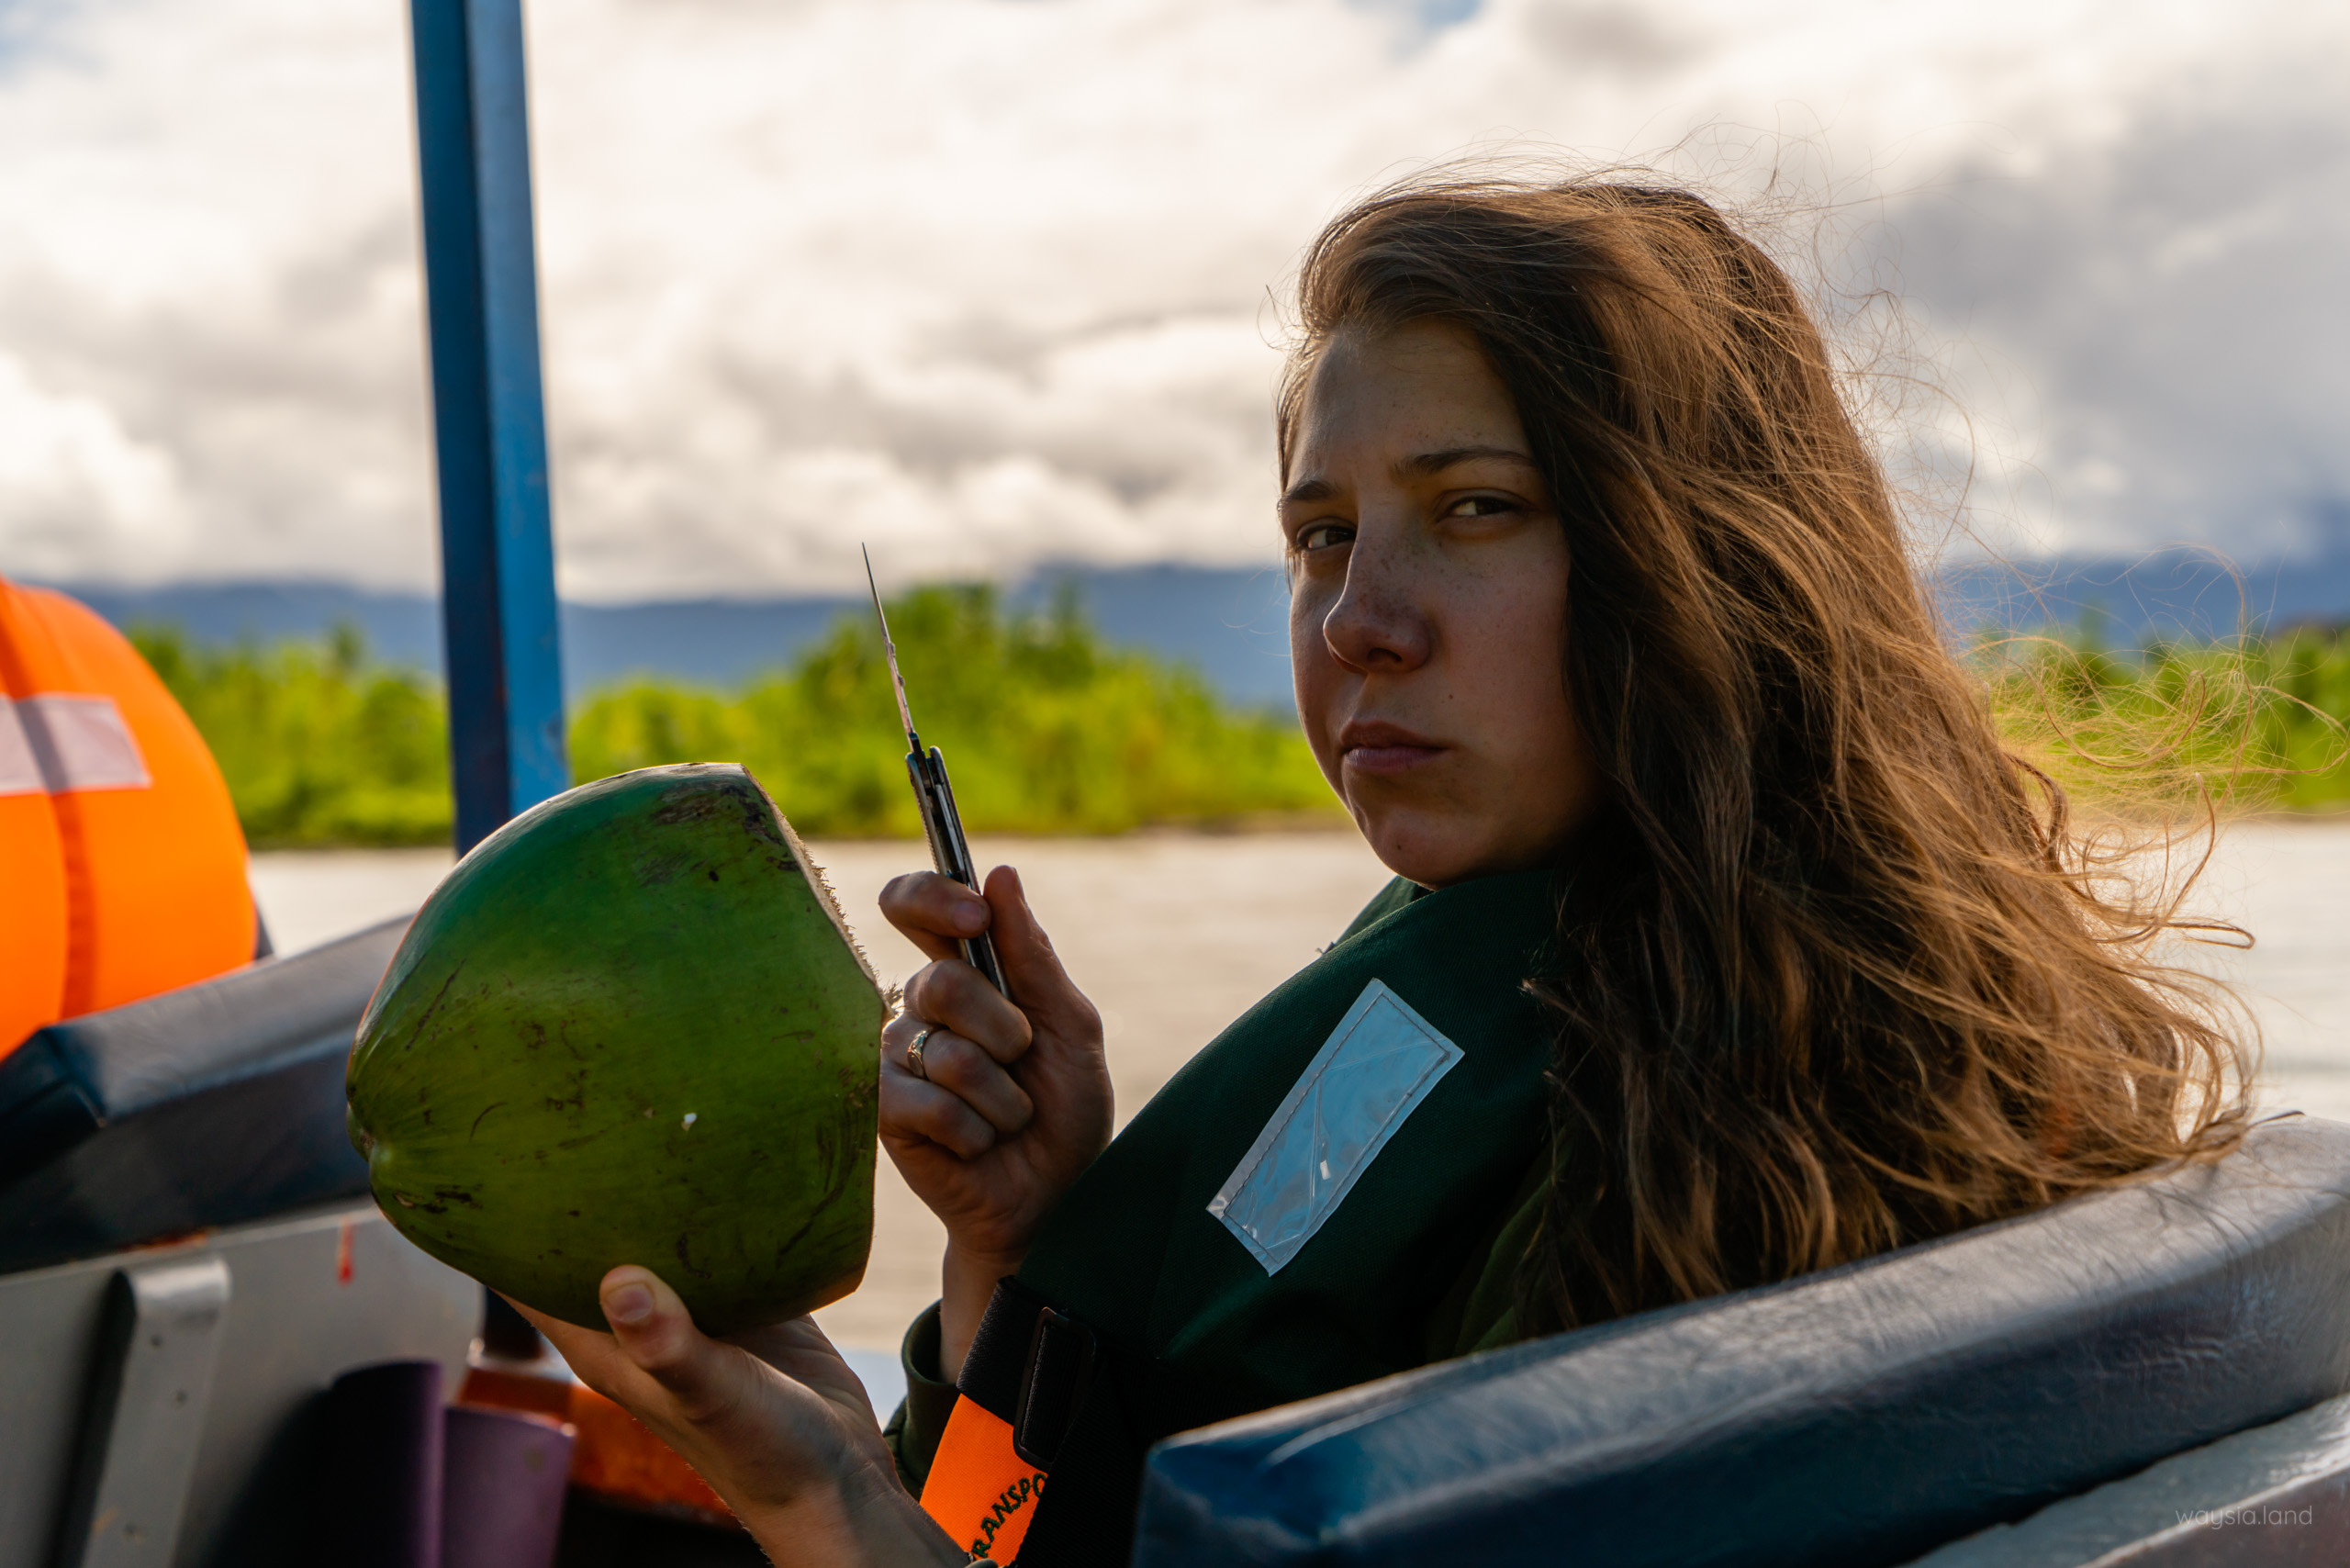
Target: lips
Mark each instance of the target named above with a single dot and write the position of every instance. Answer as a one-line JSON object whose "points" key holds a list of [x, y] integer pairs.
{"points": [[1375, 745]]}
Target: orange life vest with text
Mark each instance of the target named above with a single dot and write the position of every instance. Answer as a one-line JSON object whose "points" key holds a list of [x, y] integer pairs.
{"points": [[122, 868]]}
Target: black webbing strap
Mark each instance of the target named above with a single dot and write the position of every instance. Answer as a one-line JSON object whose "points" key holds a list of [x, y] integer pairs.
{"points": [[998, 1354], [1059, 1372], [1053, 1380], [1029, 1365], [1086, 1517]]}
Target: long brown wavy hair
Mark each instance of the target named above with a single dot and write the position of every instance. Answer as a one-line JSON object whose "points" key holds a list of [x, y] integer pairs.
{"points": [[1840, 973]]}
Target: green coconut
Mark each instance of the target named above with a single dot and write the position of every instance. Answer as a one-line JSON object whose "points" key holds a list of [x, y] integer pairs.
{"points": [[631, 1027]]}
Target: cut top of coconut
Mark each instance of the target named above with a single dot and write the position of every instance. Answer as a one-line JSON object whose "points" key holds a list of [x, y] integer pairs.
{"points": [[816, 880]]}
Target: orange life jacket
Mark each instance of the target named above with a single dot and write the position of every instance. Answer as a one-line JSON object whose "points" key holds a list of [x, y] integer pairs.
{"points": [[122, 868]]}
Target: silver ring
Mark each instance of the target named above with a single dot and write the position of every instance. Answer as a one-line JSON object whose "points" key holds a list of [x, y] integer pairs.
{"points": [[914, 1051]]}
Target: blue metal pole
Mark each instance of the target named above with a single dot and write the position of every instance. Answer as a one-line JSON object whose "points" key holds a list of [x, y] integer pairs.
{"points": [[497, 599]]}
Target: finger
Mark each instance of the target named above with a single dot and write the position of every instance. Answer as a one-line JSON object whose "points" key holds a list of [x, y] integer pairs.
{"points": [[973, 1076], [655, 1332], [934, 912], [1030, 966], [914, 1111], [898, 1039], [594, 1355], [953, 994], [898, 1036]]}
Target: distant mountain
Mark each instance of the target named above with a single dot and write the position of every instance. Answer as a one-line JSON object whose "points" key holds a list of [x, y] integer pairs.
{"points": [[2177, 594], [1231, 625], [404, 628]]}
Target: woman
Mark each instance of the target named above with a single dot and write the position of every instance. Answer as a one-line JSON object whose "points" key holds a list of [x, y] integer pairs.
{"points": [[1728, 941]]}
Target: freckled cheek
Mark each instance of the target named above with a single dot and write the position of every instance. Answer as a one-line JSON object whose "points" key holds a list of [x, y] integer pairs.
{"points": [[1520, 698]]}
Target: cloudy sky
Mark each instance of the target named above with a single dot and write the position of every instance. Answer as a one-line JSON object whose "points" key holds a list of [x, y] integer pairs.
{"points": [[989, 283]]}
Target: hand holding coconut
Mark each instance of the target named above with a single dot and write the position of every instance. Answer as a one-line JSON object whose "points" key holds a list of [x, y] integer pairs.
{"points": [[1009, 1101], [631, 1027], [772, 1418]]}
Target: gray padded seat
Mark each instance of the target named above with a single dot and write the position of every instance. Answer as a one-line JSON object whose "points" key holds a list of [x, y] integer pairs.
{"points": [[187, 1259], [1859, 1417], [207, 1105]]}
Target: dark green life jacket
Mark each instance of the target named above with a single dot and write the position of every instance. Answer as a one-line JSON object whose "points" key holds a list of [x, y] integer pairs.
{"points": [[1290, 1214]]}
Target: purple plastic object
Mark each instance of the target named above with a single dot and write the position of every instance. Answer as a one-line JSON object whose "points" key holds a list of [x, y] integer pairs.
{"points": [[503, 1494], [380, 1503]]}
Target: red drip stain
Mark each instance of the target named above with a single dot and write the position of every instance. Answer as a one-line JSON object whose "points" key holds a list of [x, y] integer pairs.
{"points": [[343, 1251]]}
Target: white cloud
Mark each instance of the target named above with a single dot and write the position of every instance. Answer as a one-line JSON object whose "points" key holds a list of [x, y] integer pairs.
{"points": [[985, 281], [71, 474]]}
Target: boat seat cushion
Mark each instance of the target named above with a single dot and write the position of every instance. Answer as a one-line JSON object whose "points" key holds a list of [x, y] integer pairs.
{"points": [[214, 1104], [1857, 1416]]}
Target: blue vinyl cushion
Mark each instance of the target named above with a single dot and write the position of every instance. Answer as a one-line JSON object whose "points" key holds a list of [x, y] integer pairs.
{"points": [[206, 1106], [1856, 1417]]}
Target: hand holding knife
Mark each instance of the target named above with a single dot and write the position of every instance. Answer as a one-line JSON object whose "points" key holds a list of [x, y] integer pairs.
{"points": [[950, 853]]}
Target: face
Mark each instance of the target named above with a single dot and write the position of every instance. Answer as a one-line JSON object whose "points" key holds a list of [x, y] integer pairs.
{"points": [[1429, 610]]}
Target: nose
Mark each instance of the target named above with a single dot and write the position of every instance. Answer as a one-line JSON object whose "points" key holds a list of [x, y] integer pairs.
{"points": [[1379, 626]]}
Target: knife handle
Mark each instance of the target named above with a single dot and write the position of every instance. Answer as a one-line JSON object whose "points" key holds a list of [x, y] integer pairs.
{"points": [[950, 852]]}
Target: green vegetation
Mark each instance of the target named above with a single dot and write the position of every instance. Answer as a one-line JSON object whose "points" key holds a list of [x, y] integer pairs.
{"points": [[2256, 723], [1050, 729], [1045, 727], [319, 746]]}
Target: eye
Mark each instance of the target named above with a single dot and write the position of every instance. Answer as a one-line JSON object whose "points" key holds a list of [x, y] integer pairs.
{"points": [[1323, 535], [1483, 506]]}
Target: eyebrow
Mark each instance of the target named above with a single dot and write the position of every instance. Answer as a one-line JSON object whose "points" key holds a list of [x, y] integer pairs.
{"points": [[1427, 465]]}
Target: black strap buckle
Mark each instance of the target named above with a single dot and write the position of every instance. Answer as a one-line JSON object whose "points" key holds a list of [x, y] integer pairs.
{"points": [[1052, 1386]]}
